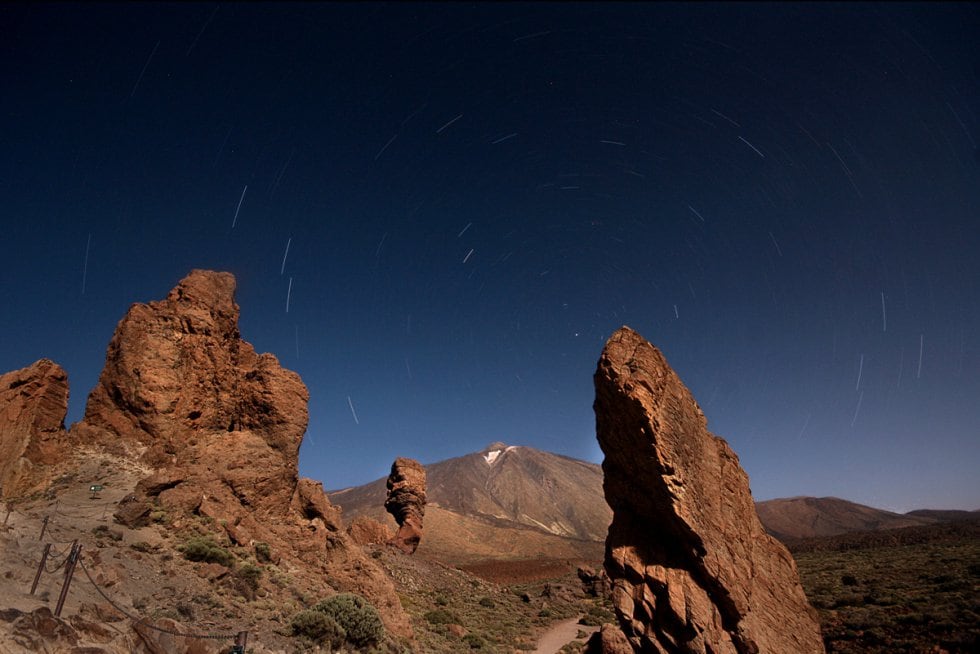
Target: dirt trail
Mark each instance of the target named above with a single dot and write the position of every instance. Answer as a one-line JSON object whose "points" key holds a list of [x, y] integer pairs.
{"points": [[560, 635]]}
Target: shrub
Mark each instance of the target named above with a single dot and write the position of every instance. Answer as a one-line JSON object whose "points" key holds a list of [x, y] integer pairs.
{"points": [[849, 580], [263, 553], [475, 641], [204, 549], [596, 616], [359, 619], [245, 580], [440, 616], [318, 627], [487, 602]]}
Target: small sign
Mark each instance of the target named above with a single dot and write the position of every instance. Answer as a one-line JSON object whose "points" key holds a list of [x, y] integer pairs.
{"points": [[95, 488]]}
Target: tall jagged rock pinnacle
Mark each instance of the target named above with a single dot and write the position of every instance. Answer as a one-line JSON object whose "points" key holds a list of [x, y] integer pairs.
{"points": [[406, 502], [221, 427], [691, 566], [33, 404]]}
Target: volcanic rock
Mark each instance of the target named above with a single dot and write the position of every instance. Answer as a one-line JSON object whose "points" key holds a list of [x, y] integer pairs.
{"points": [[221, 426], [406, 502], [691, 566], [608, 640], [368, 531], [33, 404]]}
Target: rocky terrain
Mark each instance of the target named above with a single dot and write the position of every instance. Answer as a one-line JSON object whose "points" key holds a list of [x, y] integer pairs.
{"points": [[181, 486], [692, 568], [209, 432], [515, 502]]}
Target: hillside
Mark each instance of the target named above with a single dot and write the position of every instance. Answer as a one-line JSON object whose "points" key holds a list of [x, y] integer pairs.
{"points": [[514, 500], [809, 517]]}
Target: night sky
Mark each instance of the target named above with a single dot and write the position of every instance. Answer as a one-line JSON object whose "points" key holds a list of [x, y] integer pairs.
{"points": [[437, 214]]}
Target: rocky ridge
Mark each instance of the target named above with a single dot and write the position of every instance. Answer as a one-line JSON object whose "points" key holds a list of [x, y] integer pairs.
{"points": [[692, 568]]}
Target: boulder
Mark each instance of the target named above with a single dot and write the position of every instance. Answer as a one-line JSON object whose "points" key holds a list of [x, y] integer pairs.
{"points": [[33, 404], [691, 567], [608, 640], [406, 502]]}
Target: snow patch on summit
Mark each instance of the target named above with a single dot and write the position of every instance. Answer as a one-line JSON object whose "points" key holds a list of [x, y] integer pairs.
{"points": [[491, 456]]}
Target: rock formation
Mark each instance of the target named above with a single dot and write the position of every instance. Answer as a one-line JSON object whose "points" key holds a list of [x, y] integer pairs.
{"points": [[406, 502], [692, 568], [221, 428], [368, 531], [33, 404]]}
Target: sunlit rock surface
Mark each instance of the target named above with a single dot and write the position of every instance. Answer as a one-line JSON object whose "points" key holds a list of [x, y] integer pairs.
{"points": [[691, 566]]}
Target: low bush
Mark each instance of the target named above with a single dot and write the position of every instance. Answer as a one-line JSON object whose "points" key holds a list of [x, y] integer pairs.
{"points": [[263, 553], [358, 617], [440, 616], [318, 627], [200, 548]]}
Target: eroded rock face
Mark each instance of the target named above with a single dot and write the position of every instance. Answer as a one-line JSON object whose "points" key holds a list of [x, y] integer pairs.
{"points": [[33, 404], [406, 502], [692, 568], [221, 427], [368, 531]]}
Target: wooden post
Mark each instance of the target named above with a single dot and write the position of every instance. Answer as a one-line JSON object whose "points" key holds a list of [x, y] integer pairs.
{"points": [[44, 528], [240, 641], [40, 566], [76, 551], [6, 517]]}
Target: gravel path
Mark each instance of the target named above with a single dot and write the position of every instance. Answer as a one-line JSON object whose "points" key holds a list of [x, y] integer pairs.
{"points": [[560, 635]]}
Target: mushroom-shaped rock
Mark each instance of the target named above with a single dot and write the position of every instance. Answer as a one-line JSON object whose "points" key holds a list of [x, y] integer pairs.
{"points": [[406, 502]]}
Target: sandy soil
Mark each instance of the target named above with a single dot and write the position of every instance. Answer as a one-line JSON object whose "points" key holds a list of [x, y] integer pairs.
{"points": [[560, 635]]}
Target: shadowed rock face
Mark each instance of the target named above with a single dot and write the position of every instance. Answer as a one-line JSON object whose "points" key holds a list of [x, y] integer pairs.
{"points": [[406, 502], [33, 404], [692, 568], [221, 426]]}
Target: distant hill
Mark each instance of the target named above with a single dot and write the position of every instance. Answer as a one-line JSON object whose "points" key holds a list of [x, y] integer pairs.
{"points": [[814, 517], [948, 515], [510, 502]]}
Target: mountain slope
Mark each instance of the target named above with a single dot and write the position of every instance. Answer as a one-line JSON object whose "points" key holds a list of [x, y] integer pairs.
{"points": [[506, 502], [809, 517], [506, 486]]}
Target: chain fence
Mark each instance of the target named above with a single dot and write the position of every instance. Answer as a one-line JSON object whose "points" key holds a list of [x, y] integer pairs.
{"points": [[60, 558], [143, 621]]}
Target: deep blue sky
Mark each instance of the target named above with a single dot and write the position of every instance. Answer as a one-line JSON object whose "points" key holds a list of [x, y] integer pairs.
{"points": [[784, 198]]}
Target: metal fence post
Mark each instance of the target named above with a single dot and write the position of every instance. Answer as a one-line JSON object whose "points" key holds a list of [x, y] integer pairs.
{"points": [[241, 639], [76, 551], [40, 566], [44, 528]]}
